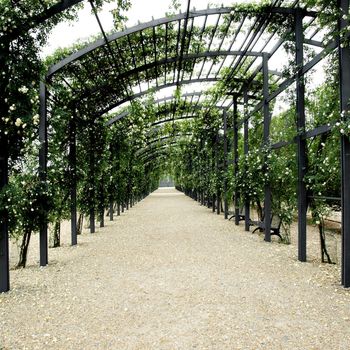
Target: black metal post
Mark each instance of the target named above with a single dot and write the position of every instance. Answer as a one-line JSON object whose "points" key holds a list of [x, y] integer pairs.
{"points": [[208, 190], [73, 188], [225, 166], [235, 155], [301, 144], [92, 177], [217, 160], [246, 149], [4, 235], [101, 208], [267, 121], [344, 65], [43, 171]]}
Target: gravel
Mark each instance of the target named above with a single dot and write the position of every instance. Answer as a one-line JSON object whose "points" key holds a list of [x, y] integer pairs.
{"points": [[169, 274]]}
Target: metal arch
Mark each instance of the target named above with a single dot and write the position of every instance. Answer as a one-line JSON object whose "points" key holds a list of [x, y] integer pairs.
{"points": [[161, 140], [163, 148], [126, 113], [192, 14], [140, 27], [168, 60], [172, 119], [155, 88], [157, 156], [169, 98]]}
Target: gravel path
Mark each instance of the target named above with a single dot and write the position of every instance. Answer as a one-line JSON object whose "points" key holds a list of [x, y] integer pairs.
{"points": [[169, 274]]}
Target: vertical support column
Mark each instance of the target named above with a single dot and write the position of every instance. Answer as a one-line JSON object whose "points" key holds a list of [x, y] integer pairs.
{"points": [[217, 161], [235, 155], [225, 166], [73, 186], [201, 191], [301, 143], [266, 143], [102, 208], [208, 174], [4, 236], [43, 171], [213, 152], [92, 176], [246, 149], [344, 66]]}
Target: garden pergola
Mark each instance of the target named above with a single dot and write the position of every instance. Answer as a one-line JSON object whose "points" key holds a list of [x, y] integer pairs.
{"points": [[178, 51]]}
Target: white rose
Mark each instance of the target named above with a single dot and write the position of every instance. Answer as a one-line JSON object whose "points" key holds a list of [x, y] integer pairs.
{"points": [[18, 122]]}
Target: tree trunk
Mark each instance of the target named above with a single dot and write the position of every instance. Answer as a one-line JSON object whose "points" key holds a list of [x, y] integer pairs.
{"points": [[56, 234], [259, 210], [324, 251], [80, 224], [23, 253]]}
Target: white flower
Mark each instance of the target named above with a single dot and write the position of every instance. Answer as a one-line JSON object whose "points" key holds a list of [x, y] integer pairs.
{"points": [[36, 119], [342, 131], [13, 107], [18, 122], [23, 89]]}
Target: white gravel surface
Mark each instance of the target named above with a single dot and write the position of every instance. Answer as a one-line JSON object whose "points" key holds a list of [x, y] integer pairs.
{"points": [[169, 274]]}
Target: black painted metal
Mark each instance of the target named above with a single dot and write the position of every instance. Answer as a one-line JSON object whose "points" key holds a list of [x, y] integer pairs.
{"points": [[225, 167], [92, 176], [115, 36], [4, 235], [344, 64], [73, 171], [217, 162], [246, 149], [43, 171], [267, 121], [301, 143], [235, 156]]}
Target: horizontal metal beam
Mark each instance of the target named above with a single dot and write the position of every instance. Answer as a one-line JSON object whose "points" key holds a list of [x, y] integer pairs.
{"points": [[313, 43], [323, 129]]}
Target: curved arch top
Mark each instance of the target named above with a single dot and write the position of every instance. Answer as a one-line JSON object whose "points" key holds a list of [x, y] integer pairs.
{"points": [[112, 37]]}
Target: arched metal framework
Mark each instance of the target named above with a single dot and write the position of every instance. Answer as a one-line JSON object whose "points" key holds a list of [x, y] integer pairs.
{"points": [[165, 61]]}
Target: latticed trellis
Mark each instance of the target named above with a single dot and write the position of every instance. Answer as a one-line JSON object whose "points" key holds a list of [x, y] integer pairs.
{"points": [[195, 50]]}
